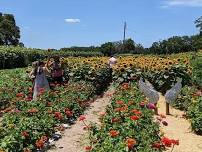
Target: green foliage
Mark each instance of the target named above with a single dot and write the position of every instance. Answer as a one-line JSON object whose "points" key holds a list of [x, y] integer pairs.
{"points": [[176, 44], [15, 57], [164, 79], [9, 32], [198, 23], [197, 70], [184, 99], [195, 115]]}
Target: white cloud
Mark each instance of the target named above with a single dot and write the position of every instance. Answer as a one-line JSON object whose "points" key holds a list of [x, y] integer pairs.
{"points": [[72, 20], [187, 3]]}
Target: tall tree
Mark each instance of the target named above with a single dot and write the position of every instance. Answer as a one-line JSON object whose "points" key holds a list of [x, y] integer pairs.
{"points": [[9, 31], [198, 23]]}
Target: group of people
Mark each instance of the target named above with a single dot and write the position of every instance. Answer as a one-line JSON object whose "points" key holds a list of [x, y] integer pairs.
{"points": [[41, 70]]}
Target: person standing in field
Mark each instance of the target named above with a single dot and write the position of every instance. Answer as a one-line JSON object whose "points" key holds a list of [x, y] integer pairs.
{"points": [[40, 80], [56, 70], [112, 61]]}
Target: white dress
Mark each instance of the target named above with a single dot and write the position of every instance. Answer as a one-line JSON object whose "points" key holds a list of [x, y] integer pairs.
{"points": [[40, 83]]}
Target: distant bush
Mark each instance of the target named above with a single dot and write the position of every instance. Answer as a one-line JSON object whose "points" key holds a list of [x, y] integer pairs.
{"points": [[15, 57]]}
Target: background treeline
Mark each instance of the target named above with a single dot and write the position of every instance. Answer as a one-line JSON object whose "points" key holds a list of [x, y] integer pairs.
{"points": [[15, 57]]}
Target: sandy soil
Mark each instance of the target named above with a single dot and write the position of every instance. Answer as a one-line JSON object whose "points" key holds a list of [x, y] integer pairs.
{"points": [[75, 139], [179, 128]]}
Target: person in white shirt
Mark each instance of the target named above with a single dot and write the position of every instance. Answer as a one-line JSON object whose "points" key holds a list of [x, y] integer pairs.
{"points": [[112, 61]]}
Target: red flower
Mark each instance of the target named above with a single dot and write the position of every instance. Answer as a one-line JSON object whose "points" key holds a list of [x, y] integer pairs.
{"points": [[68, 113], [142, 104], [114, 133], [156, 145], [131, 143], [82, 118], [166, 141], [25, 134], [88, 148], [134, 118], [136, 112], [58, 115], [40, 144], [21, 94], [115, 120], [125, 85], [119, 102]]}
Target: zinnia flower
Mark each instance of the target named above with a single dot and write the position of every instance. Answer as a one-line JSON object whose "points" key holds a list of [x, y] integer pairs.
{"points": [[119, 102], [151, 106], [134, 118], [114, 133], [82, 118], [88, 148], [131, 143]]}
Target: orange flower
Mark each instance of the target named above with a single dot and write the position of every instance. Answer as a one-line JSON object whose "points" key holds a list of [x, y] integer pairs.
{"points": [[102, 114], [119, 102], [136, 112], [131, 143], [33, 110], [40, 144], [82, 118], [114, 133], [134, 118]]}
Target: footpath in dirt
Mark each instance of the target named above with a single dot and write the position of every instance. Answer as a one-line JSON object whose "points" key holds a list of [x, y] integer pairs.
{"points": [[179, 128], [75, 139]]}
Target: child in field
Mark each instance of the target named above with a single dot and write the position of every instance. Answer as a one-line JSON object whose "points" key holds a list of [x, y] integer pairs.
{"points": [[40, 83]]}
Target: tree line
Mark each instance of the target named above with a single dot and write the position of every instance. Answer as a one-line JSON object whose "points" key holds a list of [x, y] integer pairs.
{"points": [[10, 36]]}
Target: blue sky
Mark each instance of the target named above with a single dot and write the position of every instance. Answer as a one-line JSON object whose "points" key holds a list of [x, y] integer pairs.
{"points": [[65, 23]]}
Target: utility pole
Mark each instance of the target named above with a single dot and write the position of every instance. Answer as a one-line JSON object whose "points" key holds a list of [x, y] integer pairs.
{"points": [[124, 34]]}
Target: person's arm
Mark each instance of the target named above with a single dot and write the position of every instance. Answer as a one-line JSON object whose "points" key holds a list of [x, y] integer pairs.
{"points": [[47, 63]]}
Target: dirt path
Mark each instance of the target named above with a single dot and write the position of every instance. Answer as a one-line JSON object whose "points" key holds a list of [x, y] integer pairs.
{"points": [[76, 139], [179, 128]]}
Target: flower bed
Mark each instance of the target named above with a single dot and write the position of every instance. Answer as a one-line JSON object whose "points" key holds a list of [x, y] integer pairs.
{"points": [[128, 125], [27, 125]]}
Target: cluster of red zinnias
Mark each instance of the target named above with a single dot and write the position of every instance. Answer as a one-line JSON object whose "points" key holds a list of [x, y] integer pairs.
{"points": [[165, 142], [41, 142], [68, 112], [58, 115]]}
